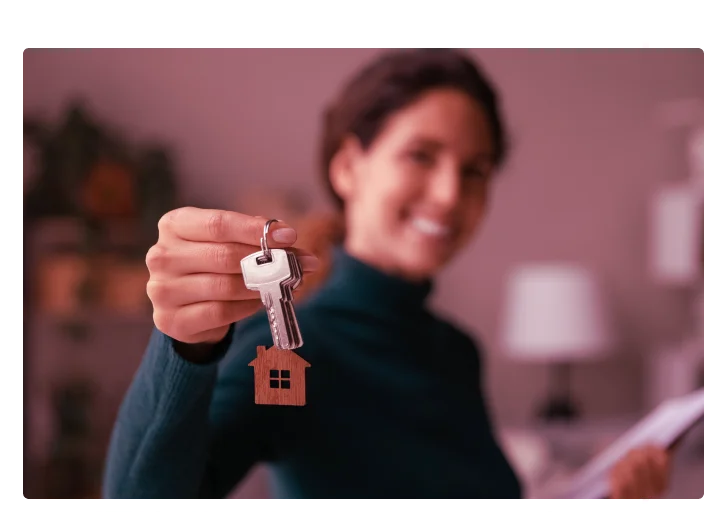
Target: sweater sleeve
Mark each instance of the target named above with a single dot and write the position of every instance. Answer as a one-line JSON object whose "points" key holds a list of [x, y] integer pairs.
{"points": [[187, 430]]}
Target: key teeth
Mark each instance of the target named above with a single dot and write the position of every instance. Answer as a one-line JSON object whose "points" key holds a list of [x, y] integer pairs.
{"points": [[274, 327]]}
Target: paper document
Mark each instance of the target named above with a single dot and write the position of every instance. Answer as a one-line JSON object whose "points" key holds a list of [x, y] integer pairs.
{"points": [[666, 424]]}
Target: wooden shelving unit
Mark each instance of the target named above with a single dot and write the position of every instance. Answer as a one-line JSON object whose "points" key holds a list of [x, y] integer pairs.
{"points": [[86, 352]]}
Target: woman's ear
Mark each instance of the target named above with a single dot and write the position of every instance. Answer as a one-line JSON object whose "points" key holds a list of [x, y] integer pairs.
{"points": [[344, 168]]}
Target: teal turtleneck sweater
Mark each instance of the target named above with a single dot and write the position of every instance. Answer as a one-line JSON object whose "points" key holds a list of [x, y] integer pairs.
{"points": [[394, 406]]}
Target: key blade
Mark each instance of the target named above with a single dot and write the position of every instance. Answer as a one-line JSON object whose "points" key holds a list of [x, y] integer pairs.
{"points": [[274, 322], [294, 333], [289, 312], [278, 311]]}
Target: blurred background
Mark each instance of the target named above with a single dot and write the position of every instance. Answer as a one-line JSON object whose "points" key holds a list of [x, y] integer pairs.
{"points": [[583, 285]]}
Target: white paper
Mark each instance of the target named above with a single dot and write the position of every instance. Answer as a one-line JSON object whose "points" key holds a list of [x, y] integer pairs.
{"points": [[662, 427]]}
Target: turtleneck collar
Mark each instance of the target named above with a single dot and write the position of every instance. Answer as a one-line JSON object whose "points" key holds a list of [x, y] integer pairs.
{"points": [[360, 284]]}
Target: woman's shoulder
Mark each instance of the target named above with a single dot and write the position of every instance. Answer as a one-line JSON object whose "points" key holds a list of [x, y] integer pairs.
{"points": [[462, 343], [457, 331]]}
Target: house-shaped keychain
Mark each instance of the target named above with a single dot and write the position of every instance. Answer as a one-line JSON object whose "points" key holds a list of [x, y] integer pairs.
{"points": [[279, 377]]}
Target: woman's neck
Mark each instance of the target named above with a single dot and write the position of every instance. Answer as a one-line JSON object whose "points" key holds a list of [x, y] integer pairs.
{"points": [[356, 283], [381, 261]]}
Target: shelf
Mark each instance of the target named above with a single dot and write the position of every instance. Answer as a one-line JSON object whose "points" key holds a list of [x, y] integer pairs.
{"points": [[92, 317]]}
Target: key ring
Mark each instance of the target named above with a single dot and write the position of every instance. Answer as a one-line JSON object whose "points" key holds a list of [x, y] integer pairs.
{"points": [[265, 246]]}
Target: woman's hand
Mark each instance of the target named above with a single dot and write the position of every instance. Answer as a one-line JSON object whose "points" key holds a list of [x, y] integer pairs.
{"points": [[642, 474], [195, 284]]}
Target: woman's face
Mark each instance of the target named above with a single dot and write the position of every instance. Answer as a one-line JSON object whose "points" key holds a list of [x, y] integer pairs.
{"points": [[419, 192]]}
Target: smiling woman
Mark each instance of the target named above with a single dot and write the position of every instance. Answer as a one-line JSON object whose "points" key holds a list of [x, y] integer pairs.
{"points": [[415, 197], [408, 151], [394, 403]]}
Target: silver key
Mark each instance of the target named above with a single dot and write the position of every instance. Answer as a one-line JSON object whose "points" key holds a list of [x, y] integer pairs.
{"points": [[275, 273], [289, 315]]}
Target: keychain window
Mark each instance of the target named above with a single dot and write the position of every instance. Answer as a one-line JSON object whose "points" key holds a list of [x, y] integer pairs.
{"points": [[280, 379]]}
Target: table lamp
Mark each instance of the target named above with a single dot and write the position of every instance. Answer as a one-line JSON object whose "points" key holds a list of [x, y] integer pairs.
{"points": [[555, 314]]}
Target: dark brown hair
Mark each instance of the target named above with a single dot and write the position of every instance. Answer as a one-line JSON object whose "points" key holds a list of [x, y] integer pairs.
{"points": [[394, 81], [366, 102]]}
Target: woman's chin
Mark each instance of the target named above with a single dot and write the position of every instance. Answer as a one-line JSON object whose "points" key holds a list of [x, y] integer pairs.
{"points": [[425, 261]]}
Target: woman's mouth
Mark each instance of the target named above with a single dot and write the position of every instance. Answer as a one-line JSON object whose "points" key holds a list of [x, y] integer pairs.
{"points": [[431, 228]]}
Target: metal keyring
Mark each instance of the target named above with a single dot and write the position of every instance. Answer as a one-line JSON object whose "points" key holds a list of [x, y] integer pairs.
{"points": [[265, 246]]}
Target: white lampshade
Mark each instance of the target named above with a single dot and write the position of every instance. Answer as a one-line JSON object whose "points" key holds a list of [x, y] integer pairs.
{"points": [[555, 312]]}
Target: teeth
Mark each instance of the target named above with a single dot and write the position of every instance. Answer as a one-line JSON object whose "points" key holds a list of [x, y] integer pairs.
{"points": [[429, 227]]}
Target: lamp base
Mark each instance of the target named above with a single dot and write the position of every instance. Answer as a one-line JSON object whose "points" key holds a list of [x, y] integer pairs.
{"points": [[560, 406], [558, 410]]}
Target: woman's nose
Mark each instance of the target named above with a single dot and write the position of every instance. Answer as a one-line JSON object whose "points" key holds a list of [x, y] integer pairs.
{"points": [[444, 188]]}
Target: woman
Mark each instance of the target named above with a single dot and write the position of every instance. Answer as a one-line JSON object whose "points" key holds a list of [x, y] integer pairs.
{"points": [[395, 404]]}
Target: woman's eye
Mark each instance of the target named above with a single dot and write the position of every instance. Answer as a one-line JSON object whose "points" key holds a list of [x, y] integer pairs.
{"points": [[473, 173], [422, 157]]}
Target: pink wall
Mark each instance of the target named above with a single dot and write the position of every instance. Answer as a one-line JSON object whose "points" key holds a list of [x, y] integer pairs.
{"points": [[587, 155]]}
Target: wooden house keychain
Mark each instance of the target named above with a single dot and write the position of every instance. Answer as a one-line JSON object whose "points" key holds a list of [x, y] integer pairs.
{"points": [[279, 373]]}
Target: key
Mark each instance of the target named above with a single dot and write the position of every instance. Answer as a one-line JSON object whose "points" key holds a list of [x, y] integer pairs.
{"points": [[296, 270], [275, 278], [287, 290], [275, 273], [288, 287]]}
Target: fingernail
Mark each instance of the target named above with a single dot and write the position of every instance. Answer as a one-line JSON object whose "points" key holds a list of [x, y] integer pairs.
{"points": [[285, 235], [309, 263]]}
